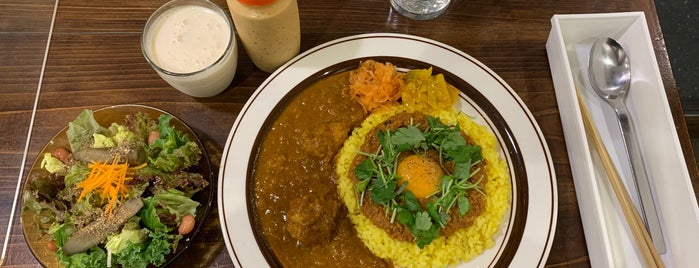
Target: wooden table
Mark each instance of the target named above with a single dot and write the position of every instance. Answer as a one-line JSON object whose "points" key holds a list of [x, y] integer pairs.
{"points": [[58, 58]]}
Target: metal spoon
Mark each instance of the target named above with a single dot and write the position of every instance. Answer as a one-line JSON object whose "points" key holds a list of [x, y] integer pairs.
{"points": [[610, 77]]}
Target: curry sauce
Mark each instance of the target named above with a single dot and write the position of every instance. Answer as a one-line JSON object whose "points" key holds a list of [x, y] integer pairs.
{"points": [[297, 207]]}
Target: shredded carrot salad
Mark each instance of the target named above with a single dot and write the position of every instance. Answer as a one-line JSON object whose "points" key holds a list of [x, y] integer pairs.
{"points": [[375, 85], [109, 181]]}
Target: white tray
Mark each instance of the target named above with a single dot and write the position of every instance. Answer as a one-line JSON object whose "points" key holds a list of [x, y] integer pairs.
{"points": [[609, 241]]}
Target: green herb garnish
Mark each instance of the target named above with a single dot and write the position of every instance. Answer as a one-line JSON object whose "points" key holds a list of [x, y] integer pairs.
{"points": [[377, 173]]}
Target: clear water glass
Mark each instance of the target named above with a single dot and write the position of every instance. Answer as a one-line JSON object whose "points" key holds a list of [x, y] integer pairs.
{"points": [[420, 9]]}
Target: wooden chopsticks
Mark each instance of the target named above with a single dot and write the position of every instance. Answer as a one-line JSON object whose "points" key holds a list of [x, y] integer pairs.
{"points": [[643, 240]]}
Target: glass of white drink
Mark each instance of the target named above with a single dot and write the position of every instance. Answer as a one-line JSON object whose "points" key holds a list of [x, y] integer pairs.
{"points": [[191, 45]]}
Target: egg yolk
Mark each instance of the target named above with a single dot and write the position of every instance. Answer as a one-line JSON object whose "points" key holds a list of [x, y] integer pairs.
{"points": [[422, 174]]}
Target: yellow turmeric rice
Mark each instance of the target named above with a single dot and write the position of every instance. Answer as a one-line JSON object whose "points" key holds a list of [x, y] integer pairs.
{"points": [[459, 247]]}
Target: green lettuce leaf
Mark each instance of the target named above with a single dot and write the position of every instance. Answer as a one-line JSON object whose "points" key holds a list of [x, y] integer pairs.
{"points": [[166, 205], [61, 232], [175, 202], [173, 150], [172, 203], [93, 257], [122, 134], [149, 215], [141, 124], [117, 243], [52, 164], [77, 173], [81, 129], [140, 255]]}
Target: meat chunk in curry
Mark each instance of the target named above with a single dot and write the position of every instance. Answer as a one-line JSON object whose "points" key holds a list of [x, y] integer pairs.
{"points": [[312, 219], [325, 140]]}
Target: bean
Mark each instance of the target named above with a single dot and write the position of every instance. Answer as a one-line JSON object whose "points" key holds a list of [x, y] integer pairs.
{"points": [[51, 246], [152, 136], [186, 225], [61, 154]]}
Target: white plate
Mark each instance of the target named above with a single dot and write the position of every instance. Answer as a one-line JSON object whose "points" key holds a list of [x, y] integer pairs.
{"points": [[526, 234]]}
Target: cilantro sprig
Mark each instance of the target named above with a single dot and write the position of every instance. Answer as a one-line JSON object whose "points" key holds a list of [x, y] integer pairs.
{"points": [[377, 175]]}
